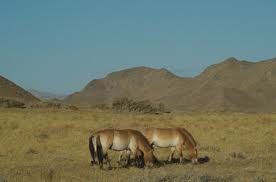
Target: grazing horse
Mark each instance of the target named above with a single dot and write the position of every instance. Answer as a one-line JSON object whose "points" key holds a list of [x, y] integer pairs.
{"points": [[176, 138], [120, 140]]}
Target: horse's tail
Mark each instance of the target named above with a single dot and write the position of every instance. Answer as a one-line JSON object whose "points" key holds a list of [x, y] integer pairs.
{"points": [[92, 150], [100, 153]]}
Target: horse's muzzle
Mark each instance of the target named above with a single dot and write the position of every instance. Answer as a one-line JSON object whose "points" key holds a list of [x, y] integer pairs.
{"points": [[195, 161]]}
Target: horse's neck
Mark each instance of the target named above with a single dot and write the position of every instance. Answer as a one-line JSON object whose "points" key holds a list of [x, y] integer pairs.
{"points": [[145, 147], [188, 137], [190, 144]]}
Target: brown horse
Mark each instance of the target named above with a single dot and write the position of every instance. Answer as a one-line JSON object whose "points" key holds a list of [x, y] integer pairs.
{"points": [[120, 140], [175, 138]]}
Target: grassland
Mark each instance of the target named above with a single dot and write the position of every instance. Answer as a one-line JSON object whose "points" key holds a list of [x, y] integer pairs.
{"points": [[52, 145]]}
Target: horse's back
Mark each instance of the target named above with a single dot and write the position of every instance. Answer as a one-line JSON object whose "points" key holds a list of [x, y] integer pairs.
{"points": [[121, 140], [105, 137], [162, 137]]}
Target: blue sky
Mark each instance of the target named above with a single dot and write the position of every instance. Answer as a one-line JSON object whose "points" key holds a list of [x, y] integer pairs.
{"points": [[59, 46]]}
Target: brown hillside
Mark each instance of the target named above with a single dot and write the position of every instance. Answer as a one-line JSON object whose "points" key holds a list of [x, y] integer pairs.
{"points": [[9, 90], [231, 85], [139, 83]]}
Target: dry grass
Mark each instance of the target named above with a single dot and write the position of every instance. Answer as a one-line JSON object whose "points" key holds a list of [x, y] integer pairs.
{"points": [[52, 145]]}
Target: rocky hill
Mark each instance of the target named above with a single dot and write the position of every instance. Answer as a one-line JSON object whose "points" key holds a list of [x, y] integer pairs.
{"points": [[231, 85], [11, 91]]}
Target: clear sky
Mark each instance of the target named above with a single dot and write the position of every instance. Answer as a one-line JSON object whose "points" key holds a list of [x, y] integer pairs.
{"points": [[60, 45]]}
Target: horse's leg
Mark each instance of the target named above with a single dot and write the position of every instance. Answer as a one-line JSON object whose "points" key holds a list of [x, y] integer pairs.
{"points": [[105, 160], [171, 154], [134, 153], [128, 156], [108, 161], [138, 154], [179, 149], [139, 158], [120, 156]]}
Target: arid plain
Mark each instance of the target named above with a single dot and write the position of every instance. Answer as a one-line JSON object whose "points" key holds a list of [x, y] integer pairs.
{"points": [[52, 145]]}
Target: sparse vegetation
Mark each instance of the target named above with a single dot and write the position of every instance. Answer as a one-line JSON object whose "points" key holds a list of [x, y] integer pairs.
{"points": [[46, 104], [51, 145], [9, 103], [126, 104], [54, 104]]}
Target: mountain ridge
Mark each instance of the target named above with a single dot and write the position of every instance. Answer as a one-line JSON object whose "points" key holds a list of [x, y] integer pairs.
{"points": [[231, 85], [46, 95], [10, 90]]}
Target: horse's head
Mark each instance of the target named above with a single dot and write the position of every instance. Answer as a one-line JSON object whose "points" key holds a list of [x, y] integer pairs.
{"points": [[193, 155], [150, 159], [191, 144]]}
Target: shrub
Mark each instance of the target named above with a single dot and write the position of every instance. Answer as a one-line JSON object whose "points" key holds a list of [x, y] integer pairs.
{"points": [[9, 103], [74, 108], [46, 104], [145, 106]]}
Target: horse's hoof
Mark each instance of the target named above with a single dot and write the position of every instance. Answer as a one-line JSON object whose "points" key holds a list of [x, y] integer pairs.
{"points": [[92, 163], [149, 165]]}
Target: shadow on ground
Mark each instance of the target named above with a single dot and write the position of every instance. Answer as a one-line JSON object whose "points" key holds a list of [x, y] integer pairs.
{"points": [[201, 160], [160, 163]]}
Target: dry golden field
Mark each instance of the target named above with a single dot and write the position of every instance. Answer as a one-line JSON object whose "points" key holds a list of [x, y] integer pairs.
{"points": [[52, 145]]}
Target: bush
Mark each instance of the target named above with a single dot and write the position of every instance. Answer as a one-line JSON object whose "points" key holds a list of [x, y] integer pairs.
{"points": [[53, 104], [100, 106], [74, 108], [126, 104], [9, 103], [46, 104]]}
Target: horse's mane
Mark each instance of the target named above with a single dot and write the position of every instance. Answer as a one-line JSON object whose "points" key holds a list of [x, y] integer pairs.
{"points": [[188, 136]]}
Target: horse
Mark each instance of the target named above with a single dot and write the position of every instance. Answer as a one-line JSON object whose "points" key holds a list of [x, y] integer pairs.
{"points": [[175, 138], [120, 140]]}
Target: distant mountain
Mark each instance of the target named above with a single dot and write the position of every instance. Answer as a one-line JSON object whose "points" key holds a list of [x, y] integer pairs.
{"points": [[140, 83], [46, 95], [231, 85], [9, 90]]}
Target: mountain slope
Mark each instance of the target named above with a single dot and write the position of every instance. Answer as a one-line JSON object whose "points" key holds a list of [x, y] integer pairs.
{"points": [[46, 95], [137, 83], [231, 85], [10, 90]]}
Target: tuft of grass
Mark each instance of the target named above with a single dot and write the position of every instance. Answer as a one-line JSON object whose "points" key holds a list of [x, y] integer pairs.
{"points": [[32, 151], [238, 155]]}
